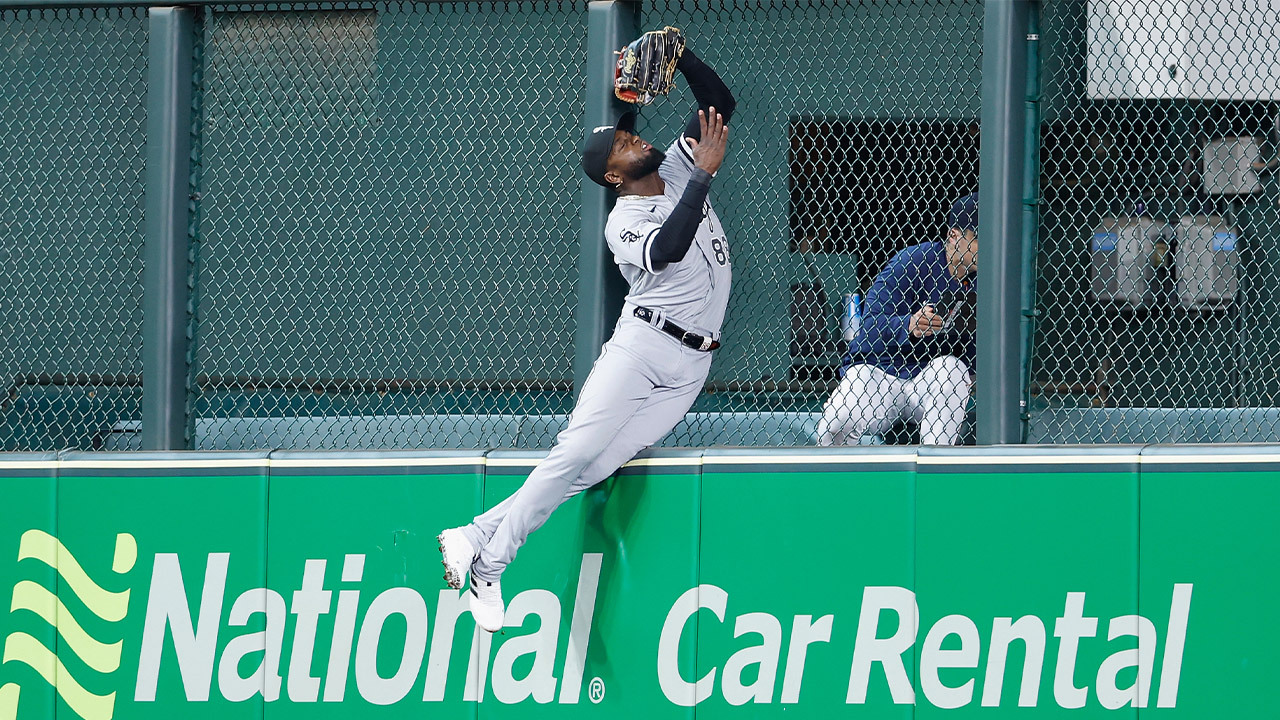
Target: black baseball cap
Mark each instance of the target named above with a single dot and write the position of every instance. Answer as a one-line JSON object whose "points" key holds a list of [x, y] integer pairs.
{"points": [[599, 144], [964, 213]]}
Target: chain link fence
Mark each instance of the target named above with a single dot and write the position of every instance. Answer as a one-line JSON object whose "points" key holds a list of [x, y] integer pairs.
{"points": [[386, 204], [389, 220], [855, 131], [386, 220], [387, 234], [72, 137], [1158, 219]]}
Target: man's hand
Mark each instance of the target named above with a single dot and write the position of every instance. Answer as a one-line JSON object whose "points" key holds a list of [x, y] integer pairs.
{"points": [[708, 152], [925, 322]]}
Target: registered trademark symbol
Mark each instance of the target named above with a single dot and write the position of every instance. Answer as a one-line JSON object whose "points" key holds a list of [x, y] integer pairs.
{"points": [[595, 691]]}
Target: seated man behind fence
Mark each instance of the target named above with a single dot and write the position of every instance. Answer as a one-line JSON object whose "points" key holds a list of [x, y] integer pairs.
{"points": [[914, 355]]}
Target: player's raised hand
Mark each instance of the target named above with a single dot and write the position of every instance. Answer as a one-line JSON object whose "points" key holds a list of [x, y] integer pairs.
{"points": [[708, 152]]}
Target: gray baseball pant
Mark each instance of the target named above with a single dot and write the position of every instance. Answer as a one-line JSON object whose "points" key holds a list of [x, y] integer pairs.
{"points": [[642, 384]]}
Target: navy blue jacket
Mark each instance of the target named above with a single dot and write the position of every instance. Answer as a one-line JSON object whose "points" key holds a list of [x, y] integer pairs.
{"points": [[915, 276]]}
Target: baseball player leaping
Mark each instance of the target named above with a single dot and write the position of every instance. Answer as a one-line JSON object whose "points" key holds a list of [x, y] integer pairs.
{"points": [[671, 249]]}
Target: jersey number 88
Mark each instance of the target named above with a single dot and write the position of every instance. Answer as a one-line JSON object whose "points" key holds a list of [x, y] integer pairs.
{"points": [[721, 250]]}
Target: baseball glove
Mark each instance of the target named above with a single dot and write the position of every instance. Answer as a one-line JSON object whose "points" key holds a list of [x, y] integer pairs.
{"points": [[647, 66]]}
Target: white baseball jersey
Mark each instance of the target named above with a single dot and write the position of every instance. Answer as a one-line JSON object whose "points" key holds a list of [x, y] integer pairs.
{"points": [[692, 293]]}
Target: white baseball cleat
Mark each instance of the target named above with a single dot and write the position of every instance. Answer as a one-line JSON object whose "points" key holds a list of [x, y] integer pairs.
{"points": [[486, 604], [456, 554]]}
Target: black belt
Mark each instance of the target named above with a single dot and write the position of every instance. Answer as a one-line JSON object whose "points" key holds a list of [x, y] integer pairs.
{"points": [[688, 339]]}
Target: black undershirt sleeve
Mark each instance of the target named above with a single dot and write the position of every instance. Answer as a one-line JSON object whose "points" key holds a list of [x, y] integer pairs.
{"points": [[708, 89], [676, 235]]}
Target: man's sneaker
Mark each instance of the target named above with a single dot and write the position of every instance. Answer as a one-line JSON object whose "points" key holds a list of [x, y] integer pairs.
{"points": [[486, 604], [457, 555]]}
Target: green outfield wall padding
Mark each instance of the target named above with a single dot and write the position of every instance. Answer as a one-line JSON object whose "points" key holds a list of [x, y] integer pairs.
{"points": [[29, 488], [634, 558], [826, 531], [882, 582], [1207, 518], [376, 528], [158, 537], [1028, 535]]}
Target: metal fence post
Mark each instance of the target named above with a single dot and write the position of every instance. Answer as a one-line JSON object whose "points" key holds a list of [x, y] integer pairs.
{"points": [[1000, 220], [164, 276], [1030, 213], [610, 25]]}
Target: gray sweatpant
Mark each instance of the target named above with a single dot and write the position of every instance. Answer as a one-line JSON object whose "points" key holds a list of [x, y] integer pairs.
{"points": [[642, 384]]}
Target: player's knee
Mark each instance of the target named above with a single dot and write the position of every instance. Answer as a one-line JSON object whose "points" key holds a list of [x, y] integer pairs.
{"points": [[948, 364], [861, 417], [577, 460], [947, 371], [857, 404], [568, 460], [836, 424]]}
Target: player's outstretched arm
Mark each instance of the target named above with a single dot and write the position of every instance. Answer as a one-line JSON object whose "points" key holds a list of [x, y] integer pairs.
{"points": [[708, 89]]}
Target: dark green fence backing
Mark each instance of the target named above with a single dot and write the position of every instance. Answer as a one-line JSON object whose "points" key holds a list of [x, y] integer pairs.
{"points": [[386, 203], [72, 143], [388, 212], [1157, 264], [388, 221]]}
